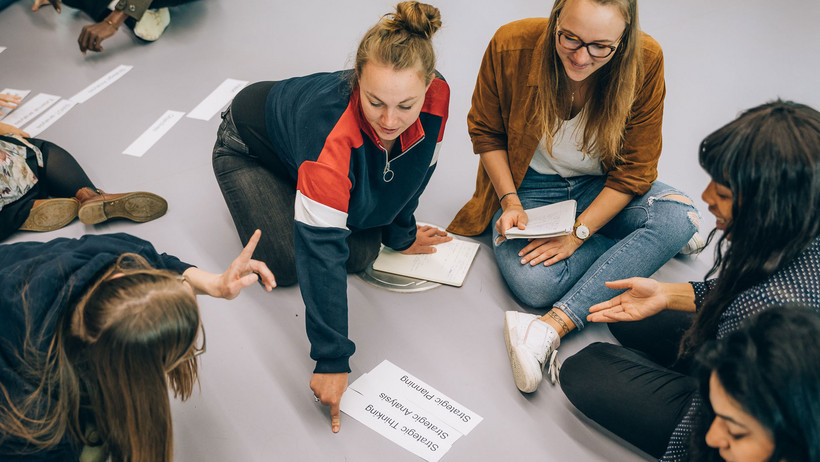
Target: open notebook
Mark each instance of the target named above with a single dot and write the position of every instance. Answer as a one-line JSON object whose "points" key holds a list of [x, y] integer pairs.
{"points": [[449, 265], [547, 221]]}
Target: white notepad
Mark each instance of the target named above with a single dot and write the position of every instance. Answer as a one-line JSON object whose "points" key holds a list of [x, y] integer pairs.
{"points": [[449, 265], [547, 221]]}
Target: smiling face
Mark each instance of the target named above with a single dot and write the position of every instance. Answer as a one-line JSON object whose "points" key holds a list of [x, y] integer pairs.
{"points": [[391, 100], [738, 436], [719, 199], [589, 22]]}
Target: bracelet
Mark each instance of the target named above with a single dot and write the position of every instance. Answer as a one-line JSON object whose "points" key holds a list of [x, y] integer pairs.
{"points": [[111, 23], [557, 318], [505, 195]]}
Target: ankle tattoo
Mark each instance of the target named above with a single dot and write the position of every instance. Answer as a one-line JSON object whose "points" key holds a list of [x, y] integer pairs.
{"points": [[555, 317]]}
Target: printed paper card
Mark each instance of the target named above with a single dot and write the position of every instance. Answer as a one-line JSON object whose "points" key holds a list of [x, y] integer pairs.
{"points": [[391, 377], [27, 111], [156, 131], [407, 411], [219, 98], [52, 115], [393, 420], [101, 84], [426, 419]]}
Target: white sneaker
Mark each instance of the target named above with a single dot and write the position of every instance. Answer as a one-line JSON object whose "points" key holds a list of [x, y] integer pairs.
{"points": [[152, 24], [695, 245], [531, 343]]}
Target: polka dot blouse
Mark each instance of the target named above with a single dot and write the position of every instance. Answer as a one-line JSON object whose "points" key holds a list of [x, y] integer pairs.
{"points": [[799, 282]]}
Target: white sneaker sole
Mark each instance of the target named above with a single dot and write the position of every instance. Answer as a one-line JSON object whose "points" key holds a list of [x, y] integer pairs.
{"points": [[152, 24], [522, 362], [694, 246]]}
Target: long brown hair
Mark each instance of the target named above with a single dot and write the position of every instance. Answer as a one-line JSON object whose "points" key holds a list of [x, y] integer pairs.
{"points": [[613, 93], [402, 40], [114, 353]]}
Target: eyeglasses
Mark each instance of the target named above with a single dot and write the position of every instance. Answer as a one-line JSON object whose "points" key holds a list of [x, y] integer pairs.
{"points": [[573, 43], [198, 349]]}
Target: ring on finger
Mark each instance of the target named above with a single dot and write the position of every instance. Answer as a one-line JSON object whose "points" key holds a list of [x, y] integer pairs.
{"points": [[315, 398]]}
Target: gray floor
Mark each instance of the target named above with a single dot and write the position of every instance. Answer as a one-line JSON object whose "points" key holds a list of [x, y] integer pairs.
{"points": [[255, 404]]}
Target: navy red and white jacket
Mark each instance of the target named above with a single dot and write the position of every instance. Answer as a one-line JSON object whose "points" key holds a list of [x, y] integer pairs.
{"points": [[346, 181]]}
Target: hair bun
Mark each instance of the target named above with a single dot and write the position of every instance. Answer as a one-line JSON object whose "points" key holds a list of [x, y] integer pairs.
{"points": [[417, 18]]}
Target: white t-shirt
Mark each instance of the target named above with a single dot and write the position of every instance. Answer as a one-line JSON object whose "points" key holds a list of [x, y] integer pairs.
{"points": [[567, 159]]}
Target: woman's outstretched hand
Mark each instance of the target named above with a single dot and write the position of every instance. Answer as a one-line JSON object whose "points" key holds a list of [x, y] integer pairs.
{"points": [[643, 298], [92, 36], [328, 390], [242, 272], [11, 101], [426, 238]]}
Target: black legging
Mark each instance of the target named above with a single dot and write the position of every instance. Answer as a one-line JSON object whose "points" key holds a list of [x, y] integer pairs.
{"points": [[60, 176], [639, 391]]}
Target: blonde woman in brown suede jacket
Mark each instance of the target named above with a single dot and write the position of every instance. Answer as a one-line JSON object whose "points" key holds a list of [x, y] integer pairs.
{"points": [[571, 107]]}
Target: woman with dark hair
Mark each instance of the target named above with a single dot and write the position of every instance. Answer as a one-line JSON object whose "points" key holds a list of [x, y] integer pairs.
{"points": [[571, 107], [762, 386], [765, 195], [330, 166], [96, 331]]}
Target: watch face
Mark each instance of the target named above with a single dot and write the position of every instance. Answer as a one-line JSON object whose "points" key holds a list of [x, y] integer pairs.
{"points": [[582, 232]]}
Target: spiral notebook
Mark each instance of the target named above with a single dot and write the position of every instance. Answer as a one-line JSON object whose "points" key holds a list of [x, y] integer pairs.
{"points": [[547, 221]]}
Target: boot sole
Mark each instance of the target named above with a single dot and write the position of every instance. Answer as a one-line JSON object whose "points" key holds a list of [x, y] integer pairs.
{"points": [[525, 382], [50, 215], [135, 206]]}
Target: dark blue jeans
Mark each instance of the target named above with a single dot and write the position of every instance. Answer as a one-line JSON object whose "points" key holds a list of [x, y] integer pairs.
{"points": [[261, 194]]}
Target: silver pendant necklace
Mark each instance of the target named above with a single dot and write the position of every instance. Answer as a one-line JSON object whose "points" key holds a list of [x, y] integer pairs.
{"points": [[387, 174]]}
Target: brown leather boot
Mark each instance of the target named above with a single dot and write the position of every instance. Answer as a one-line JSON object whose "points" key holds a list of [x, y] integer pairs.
{"points": [[97, 206], [50, 214]]}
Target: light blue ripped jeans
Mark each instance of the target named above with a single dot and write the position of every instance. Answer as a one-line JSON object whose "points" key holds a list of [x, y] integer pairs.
{"points": [[649, 231]]}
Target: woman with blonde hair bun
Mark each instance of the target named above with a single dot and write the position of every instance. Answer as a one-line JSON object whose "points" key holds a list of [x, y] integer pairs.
{"points": [[331, 165], [96, 332]]}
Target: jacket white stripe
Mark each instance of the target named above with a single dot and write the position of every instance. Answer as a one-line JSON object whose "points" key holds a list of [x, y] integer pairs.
{"points": [[312, 213], [435, 154]]}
